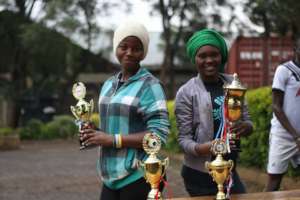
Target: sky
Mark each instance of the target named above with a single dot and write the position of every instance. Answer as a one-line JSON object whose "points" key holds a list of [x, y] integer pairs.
{"points": [[139, 11]]}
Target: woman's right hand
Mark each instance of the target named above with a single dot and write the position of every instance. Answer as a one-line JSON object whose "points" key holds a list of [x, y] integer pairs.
{"points": [[96, 137]]}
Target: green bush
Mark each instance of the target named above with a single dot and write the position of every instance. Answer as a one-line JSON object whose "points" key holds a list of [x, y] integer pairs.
{"points": [[6, 131], [32, 130], [62, 126], [255, 147], [172, 143]]}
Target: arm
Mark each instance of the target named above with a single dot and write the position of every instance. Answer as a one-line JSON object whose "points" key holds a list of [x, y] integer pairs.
{"points": [[277, 107], [184, 119], [96, 137]]}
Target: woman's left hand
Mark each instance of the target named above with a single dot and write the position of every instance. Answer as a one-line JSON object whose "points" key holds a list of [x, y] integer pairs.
{"points": [[94, 137], [241, 129]]}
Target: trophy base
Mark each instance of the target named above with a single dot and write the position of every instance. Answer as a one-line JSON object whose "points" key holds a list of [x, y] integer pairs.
{"points": [[221, 196], [154, 194]]}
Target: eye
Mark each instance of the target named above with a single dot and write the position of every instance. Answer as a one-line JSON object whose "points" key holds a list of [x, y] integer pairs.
{"points": [[122, 47]]}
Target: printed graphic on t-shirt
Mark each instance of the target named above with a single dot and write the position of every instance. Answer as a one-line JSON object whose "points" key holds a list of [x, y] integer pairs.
{"points": [[217, 111]]}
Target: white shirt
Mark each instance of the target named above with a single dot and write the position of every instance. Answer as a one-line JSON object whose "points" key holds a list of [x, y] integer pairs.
{"points": [[285, 81]]}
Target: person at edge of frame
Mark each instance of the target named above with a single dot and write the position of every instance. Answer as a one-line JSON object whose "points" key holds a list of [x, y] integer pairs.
{"points": [[198, 110], [284, 138], [131, 104]]}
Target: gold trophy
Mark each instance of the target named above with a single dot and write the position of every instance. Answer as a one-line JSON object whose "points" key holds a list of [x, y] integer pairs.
{"points": [[154, 168], [219, 168], [234, 101], [83, 110]]}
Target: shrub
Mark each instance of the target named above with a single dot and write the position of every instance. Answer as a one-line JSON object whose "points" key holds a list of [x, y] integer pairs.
{"points": [[255, 147], [62, 126], [32, 130], [6, 131], [172, 143]]}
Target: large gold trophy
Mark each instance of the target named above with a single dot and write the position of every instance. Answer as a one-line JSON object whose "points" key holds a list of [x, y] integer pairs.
{"points": [[82, 110], [219, 168], [153, 167], [234, 101]]}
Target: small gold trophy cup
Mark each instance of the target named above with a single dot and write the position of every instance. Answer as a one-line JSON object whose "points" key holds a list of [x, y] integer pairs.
{"points": [[83, 110], [219, 168], [234, 101], [154, 168]]}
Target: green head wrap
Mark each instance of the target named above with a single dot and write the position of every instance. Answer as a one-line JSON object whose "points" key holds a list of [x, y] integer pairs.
{"points": [[207, 37]]}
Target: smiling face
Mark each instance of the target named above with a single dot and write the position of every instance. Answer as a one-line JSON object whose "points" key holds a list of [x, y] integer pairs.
{"points": [[208, 59], [129, 53]]}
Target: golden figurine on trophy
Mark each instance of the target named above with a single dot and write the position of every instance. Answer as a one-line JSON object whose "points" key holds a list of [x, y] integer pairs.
{"points": [[154, 168], [234, 101], [219, 168], [82, 110]]}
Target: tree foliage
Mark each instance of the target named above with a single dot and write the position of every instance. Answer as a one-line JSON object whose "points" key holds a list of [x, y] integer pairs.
{"points": [[280, 17], [37, 59], [180, 19]]}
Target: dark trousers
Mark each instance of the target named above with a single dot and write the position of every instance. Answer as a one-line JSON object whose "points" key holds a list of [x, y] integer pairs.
{"points": [[137, 190], [201, 184]]}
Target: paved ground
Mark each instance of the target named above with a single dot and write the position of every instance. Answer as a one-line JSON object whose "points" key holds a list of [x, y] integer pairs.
{"points": [[57, 170]]}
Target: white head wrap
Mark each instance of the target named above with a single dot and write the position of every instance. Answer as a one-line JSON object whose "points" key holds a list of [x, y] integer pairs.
{"points": [[131, 28]]}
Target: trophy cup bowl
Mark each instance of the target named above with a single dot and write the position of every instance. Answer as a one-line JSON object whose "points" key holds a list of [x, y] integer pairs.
{"points": [[153, 167], [234, 109], [83, 110], [234, 101], [219, 168]]}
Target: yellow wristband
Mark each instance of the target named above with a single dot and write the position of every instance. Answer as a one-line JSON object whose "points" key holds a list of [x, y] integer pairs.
{"points": [[120, 141]]}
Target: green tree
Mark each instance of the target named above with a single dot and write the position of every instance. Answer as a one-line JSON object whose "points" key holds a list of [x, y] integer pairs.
{"points": [[180, 18], [281, 17], [36, 57]]}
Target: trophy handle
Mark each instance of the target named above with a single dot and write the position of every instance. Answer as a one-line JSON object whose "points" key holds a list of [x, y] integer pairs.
{"points": [[165, 163], [140, 164], [92, 106], [208, 167], [74, 112], [231, 164]]}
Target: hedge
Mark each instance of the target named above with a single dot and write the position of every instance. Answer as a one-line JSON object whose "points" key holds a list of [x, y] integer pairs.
{"points": [[255, 147]]}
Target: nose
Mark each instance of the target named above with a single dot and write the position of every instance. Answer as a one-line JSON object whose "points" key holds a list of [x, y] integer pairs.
{"points": [[209, 59], [129, 51]]}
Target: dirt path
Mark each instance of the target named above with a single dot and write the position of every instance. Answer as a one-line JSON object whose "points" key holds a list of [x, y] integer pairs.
{"points": [[57, 170]]}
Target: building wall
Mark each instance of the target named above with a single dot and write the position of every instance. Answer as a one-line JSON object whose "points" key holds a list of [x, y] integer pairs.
{"points": [[255, 59]]}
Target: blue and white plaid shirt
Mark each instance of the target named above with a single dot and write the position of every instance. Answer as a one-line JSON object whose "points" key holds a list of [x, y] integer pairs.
{"points": [[138, 105]]}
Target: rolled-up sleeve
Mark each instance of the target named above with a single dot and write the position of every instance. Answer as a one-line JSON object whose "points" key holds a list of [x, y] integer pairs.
{"points": [[184, 120], [154, 108]]}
